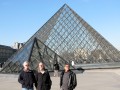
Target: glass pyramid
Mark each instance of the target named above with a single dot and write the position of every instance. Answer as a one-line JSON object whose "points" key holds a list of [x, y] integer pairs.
{"points": [[65, 37]]}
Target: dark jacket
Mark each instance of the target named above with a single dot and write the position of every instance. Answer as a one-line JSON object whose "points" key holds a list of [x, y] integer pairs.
{"points": [[72, 80], [43, 81], [27, 79]]}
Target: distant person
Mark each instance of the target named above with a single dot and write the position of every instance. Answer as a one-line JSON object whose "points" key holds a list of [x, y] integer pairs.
{"points": [[73, 63], [56, 69], [43, 78], [0, 65], [67, 79], [27, 77]]}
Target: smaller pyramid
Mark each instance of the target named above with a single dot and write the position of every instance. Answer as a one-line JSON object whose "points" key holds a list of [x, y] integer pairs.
{"points": [[35, 52]]}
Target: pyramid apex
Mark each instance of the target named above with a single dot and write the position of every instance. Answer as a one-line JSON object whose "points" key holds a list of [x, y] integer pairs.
{"points": [[65, 5]]}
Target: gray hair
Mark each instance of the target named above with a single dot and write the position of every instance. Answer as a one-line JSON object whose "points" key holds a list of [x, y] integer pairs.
{"points": [[25, 62]]}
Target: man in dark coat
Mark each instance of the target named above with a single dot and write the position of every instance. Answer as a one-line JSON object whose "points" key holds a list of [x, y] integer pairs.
{"points": [[27, 77], [67, 79], [43, 78]]}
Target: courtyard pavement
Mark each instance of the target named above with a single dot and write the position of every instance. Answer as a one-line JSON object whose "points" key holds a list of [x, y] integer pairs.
{"points": [[89, 80]]}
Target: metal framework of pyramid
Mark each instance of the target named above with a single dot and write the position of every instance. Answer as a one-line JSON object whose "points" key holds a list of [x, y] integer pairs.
{"points": [[65, 37]]}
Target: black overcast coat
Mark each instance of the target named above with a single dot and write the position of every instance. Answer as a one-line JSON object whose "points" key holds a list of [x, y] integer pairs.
{"points": [[27, 79], [43, 81]]}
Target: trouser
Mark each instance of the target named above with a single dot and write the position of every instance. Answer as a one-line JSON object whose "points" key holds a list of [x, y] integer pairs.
{"points": [[56, 73], [27, 89]]}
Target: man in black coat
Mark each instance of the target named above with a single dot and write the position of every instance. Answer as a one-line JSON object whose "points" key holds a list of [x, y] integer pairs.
{"points": [[27, 77], [43, 78], [68, 79]]}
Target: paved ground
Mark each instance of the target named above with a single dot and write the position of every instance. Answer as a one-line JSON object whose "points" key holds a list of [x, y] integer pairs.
{"points": [[89, 80]]}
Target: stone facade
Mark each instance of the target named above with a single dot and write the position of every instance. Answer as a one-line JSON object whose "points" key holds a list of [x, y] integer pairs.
{"points": [[5, 53]]}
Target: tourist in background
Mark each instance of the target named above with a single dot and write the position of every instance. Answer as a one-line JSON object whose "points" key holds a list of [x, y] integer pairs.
{"points": [[27, 77], [56, 69], [67, 79], [43, 78]]}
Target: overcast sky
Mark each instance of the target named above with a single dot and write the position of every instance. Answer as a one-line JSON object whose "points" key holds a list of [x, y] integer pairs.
{"points": [[20, 19]]}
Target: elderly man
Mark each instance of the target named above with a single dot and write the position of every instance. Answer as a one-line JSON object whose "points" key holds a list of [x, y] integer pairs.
{"points": [[26, 77]]}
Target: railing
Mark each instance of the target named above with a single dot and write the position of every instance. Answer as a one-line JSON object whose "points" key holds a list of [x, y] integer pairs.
{"points": [[98, 66]]}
